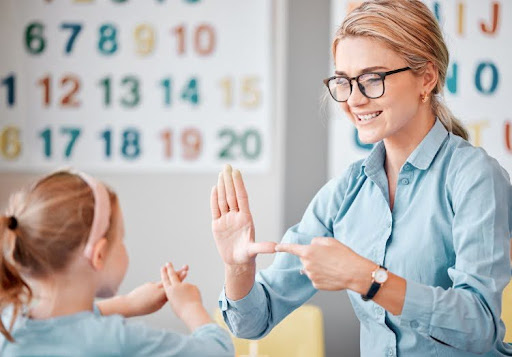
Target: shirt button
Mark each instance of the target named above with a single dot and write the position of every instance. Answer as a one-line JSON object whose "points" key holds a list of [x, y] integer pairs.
{"points": [[379, 310], [405, 181], [407, 167], [414, 324], [391, 353], [390, 224]]}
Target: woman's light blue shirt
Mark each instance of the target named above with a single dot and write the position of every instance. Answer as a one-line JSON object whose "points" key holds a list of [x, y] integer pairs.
{"points": [[91, 334], [448, 235]]}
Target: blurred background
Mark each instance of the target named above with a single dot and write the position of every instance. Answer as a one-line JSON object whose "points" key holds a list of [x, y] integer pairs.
{"points": [[155, 96]]}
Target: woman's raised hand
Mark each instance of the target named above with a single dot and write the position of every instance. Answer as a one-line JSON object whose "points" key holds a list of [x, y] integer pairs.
{"points": [[232, 224]]}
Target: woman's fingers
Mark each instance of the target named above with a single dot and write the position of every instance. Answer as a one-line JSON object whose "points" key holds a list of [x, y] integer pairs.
{"points": [[221, 195], [214, 203], [296, 249], [230, 188], [240, 191], [261, 248]]}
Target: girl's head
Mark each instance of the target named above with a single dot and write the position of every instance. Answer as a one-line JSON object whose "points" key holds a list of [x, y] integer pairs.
{"points": [[389, 35], [55, 224]]}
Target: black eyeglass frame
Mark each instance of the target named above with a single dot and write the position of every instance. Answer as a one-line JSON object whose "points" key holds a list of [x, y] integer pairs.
{"points": [[382, 76]]}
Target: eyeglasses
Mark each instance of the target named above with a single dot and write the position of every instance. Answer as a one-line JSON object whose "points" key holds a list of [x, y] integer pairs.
{"points": [[371, 84]]}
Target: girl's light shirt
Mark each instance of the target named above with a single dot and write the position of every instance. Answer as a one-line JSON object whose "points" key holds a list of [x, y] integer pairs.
{"points": [[448, 235], [91, 334]]}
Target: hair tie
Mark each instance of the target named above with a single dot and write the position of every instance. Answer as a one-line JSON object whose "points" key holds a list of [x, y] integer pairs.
{"points": [[12, 223]]}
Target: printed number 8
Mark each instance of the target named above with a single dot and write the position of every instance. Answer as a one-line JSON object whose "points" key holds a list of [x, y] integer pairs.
{"points": [[107, 44], [131, 148]]}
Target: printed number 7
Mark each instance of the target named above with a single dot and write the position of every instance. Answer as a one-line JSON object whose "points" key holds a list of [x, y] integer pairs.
{"points": [[75, 30], [74, 133]]}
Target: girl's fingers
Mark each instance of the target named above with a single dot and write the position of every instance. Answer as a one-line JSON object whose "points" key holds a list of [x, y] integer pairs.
{"points": [[164, 276], [171, 273], [214, 203], [183, 274], [221, 195], [230, 188]]}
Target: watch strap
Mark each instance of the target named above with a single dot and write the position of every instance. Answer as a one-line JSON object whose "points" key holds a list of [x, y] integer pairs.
{"points": [[374, 288]]}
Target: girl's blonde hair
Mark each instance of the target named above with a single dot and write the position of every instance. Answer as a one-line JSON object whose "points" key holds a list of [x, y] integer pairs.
{"points": [[53, 219], [410, 29]]}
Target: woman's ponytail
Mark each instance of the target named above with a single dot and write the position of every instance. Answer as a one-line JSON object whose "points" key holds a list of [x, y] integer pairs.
{"points": [[445, 115]]}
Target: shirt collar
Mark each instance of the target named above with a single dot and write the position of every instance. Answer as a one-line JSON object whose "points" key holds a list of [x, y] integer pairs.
{"points": [[420, 158], [424, 154]]}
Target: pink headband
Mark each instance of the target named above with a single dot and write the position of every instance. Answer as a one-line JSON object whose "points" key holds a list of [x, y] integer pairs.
{"points": [[101, 218]]}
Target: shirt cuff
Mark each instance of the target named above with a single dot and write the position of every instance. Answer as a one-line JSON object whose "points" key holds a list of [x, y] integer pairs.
{"points": [[418, 307], [247, 303]]}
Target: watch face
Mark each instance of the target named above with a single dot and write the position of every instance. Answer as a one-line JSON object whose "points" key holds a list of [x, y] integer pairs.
{"points": [[381, 275]]}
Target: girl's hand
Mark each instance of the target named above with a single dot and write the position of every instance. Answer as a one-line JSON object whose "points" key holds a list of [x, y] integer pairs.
{"points": [[331, 265], [143, 300], [232, 223], [185, 299]]}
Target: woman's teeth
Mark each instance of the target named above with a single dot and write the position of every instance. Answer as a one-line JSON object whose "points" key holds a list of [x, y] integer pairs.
{"points": [[368, 116]]}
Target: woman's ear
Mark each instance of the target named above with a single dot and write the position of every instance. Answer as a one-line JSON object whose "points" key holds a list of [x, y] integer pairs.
{"points": [[99, 254], [430, 78]]}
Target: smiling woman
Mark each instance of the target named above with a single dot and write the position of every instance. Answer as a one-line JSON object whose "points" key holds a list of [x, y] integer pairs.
{"points": [[417, 233]]}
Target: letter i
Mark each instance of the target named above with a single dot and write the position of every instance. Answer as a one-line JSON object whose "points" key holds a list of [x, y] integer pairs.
{"points": [[461, 14]]}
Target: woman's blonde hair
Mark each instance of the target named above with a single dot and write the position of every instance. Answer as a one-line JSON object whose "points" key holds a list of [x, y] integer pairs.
{"points": [[52, 222], [410, 29]]}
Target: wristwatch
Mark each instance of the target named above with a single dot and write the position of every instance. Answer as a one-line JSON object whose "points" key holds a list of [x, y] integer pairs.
{"points": [[379, 277]]}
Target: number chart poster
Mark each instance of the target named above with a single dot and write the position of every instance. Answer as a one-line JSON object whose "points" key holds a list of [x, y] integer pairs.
{"points": [[135, 85], [479, 82]]}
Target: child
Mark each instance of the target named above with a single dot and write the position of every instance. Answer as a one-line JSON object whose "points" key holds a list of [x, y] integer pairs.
{"points": [[62, 246]]}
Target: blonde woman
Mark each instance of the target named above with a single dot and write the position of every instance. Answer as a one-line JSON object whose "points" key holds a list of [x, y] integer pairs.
{"points": [[418, 233]]}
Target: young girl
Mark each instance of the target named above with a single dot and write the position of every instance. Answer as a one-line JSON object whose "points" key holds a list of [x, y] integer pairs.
{"points": [[62, 246]]}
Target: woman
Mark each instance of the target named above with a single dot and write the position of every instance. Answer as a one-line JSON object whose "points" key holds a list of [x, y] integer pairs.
{"points": [[418, 232]]}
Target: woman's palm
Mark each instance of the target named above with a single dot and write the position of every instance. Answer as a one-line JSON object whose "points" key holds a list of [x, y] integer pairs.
{"points": [[232, 224]]}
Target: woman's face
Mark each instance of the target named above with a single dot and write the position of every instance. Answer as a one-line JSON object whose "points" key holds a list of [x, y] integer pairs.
{"points": [[116, 262], [392, 115]]}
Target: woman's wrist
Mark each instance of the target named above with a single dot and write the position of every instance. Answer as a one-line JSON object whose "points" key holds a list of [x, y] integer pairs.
{"points": [[239, 280], [236, 270], [362, 279]]}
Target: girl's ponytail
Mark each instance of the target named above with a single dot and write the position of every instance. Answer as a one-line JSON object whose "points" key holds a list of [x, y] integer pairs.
{"points": [[14, 291]]}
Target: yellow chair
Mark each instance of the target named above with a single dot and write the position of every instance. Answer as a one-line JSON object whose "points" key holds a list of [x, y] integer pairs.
{"points": [[300, 334], [506, 314]]}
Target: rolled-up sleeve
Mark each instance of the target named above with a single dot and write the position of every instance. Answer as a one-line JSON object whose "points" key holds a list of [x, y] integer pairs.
{"points": [[466, 316]]}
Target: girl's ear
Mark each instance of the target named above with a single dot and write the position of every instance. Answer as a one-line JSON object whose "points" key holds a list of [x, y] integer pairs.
{"points": [[99, 254]]}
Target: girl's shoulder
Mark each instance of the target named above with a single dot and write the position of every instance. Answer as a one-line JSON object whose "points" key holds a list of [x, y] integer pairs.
{"points": [[76, 332]]}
